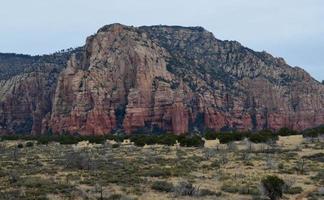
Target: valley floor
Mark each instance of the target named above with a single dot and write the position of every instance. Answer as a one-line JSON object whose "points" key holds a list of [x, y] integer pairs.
{"points": [[124, 171]]}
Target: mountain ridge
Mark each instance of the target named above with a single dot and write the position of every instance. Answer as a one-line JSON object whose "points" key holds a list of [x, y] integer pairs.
{"points": [[156, 79]]}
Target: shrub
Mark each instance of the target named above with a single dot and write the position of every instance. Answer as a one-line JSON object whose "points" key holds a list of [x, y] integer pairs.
{"points": [[142, 140], [263, 137], [224, 159], [117, 138], [294, 190], [281, 166], [273, 187], [94, 139], [316, 195], [311, 134], [259, 137], [210, 135], [314, 132], [241, 189], [225, 138], [286, 132], [193, 141], [167, 139], [248, 190], [300, 166], [319, 176], [209, 153], [231, 146], [186, 189], [158, 172], [68, 139], [229, 188], [13, 176], [115, 197], [206, 192], [29, 144], [215, 164], [76, 160], [20, 146], [10, 137], [43, 140], [162, 186], [319, 157], [116, 145], [118, 197]]}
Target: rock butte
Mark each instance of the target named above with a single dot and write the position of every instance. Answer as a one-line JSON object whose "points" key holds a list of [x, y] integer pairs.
{"points": [[155, 79]]}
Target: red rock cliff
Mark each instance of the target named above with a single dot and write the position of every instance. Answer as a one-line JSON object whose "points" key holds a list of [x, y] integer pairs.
{"points": [[164, 79]]}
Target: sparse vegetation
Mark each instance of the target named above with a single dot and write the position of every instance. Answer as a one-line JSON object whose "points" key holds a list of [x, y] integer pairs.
{"points": [[107, 167], [162, 186]]}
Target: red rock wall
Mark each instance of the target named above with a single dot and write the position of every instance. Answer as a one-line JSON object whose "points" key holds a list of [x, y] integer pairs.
{"points": [[163, 78]]}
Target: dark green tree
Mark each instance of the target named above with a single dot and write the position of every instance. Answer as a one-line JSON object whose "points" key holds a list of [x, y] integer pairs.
{"points": [[286, 132], [273, 187]]}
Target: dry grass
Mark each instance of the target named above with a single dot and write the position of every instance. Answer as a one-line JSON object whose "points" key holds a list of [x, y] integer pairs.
{"points": [[87, 171]]}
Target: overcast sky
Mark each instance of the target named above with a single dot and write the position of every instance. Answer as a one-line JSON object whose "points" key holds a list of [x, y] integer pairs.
{"points": [[292, 29]]}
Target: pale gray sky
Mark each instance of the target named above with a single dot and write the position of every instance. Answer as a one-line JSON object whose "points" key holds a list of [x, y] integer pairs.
{"points": [[292, 29]]}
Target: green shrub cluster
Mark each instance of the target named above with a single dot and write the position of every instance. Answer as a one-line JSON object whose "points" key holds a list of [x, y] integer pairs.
{"points": [[256, 137], [241, 189], [63, 138], [167, 139], [191, 141], [162, 186], [314, 132], [263, 137], [225, 138], [287, 132], [138, 139], [273, 187]]}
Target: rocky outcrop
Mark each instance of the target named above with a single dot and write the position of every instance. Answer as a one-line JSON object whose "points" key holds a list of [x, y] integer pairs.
{"points": [[109, 86], [27, 87], [160, 79]]}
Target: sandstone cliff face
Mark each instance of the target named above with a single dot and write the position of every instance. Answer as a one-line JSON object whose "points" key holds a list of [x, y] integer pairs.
{"points": [[159, 79], [27, 86], [110, 85], [237, 87]]}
